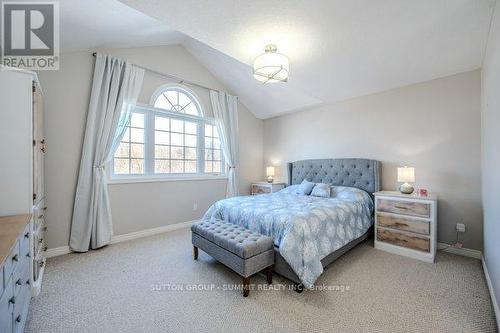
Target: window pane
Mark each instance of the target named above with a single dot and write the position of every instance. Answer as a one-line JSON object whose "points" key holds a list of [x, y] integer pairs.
{"points": [[184, 99], [209, 154], [190, 140], [216, 132], [136, 166], [208, 130], [136, 135], [192, 109], [191, 128], [162, 103], [162, 166], [137, 120], [162, 152], [217, 155], [177, 166], [217, 166], [172, 98], [177, 125], [190, 153], [121, 166], [137, 150], [178, 153], [208, 143], [190, 166], [162, 138], [208, 166], [216, 144], [162, 123], [122, 150], [177, 139]]}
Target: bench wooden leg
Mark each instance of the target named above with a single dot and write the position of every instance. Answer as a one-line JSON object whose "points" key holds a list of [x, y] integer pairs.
{"points": [[269, 274], [195, 253], [246, 286]]}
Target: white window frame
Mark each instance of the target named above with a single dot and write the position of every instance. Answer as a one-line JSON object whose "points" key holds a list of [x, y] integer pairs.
{"points": [[149, 132]]}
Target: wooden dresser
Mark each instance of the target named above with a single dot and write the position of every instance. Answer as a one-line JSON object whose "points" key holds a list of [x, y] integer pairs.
{"points": [[23, 148], [406, 224], [16, 260]]}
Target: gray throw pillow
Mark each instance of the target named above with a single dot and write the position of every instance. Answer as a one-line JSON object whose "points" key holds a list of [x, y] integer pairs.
{"points": [[321, 190], [305, 187]]}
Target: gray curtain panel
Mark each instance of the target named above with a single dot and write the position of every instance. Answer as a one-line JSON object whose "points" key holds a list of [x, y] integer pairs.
{"points": [[115, 88], [225, 108]]}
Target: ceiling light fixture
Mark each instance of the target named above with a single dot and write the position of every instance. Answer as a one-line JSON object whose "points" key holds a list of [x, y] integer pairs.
{"points": [[271, 66]]}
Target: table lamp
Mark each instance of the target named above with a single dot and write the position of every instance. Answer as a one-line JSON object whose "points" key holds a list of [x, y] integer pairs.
{"points": [[270, 174], [406, 175]]}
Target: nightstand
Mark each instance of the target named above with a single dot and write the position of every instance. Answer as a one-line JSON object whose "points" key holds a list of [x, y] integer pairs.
{"points": [[406, 224], [265, 187]]}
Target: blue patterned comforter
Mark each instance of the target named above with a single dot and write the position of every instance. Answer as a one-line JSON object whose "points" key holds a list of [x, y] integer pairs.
{"points": [[305, 228]]}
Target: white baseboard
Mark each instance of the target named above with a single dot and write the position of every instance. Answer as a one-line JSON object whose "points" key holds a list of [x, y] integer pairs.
{"points": [[471, 253], [59, 251], [492, 292]]}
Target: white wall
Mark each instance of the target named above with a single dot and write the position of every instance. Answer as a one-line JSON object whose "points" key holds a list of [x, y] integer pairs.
{"points": [[135, 206], [433, 126], [491, 152]]}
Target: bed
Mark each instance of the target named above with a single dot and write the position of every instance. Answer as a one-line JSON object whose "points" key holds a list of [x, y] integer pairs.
{"points": [[310, 232]]}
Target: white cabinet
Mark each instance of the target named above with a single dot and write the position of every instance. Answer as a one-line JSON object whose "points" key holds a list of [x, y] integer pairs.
{"points": [[22, 151]]}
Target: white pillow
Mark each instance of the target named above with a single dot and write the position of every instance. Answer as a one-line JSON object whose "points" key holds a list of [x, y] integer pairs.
{"points": [[321, 190]]}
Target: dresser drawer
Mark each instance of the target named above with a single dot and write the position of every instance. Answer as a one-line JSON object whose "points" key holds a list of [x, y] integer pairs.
{"points": [[411, 208], [6, 308], [404, 239], [260, 189], [11, 262], [403, 223], [20, 276], [21, 308]]}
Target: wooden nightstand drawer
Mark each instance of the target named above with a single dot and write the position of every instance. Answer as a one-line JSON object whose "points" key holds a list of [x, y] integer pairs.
{"points": [[404, 239], [260, 189], [412, 208], [403, 223]]}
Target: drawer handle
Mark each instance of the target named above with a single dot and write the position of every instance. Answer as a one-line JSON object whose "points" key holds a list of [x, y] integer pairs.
{"points": [[44, 228], [12, 300], [18, 319], [28, 255], [27, 235], [40, 216], [15, 258], [44, 208], [45, 248], [400, 207], [42, 264], [40, 240], [18, 282]]}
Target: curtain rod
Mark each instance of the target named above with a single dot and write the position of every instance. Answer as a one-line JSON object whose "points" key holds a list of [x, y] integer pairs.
{"points": [[181, 80]]}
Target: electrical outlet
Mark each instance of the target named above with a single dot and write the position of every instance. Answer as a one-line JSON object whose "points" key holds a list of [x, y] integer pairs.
{"points": [[195, 207], [460, 227]]}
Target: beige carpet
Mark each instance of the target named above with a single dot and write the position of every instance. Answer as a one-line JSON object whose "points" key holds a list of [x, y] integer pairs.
{"points": [[123, 288]]}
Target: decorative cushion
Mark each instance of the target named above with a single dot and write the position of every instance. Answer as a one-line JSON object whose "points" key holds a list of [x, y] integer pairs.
{"points": [[321, 190], [234, 238], [305, 187], [292, 189]]}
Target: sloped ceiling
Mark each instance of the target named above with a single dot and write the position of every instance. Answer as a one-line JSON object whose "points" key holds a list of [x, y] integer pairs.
{"points": [[338, 49], [89, 24]]}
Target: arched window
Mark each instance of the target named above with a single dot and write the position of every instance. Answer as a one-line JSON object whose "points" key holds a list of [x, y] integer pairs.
{"points": [[170, 136]]}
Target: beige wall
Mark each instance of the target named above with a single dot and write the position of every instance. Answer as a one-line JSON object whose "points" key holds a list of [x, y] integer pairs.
{"points": [[491, 152], [433, 126], [135, 206]]}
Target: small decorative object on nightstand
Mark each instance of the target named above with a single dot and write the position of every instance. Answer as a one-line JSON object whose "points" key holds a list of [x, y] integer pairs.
{"points": [[406, 175], [263, 187], [406, 224], [270, 174]]}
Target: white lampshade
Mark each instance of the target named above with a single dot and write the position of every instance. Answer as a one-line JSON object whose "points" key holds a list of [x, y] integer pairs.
{"points": [[271, 66], [270, 171], [406, 175]]}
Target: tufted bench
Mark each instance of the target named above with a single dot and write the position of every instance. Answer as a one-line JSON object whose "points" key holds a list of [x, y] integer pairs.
{"points": [[240, 249]]}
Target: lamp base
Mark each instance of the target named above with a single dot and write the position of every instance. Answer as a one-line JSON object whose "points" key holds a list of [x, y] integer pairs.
{"points": [[406, 188], [270, 179]]}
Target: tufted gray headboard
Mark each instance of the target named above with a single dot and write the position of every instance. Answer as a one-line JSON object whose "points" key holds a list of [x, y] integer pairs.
{"points": [[354, 172]]}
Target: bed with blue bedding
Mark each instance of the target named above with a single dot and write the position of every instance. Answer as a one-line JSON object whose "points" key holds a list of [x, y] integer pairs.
{"points": [[308, 231]]}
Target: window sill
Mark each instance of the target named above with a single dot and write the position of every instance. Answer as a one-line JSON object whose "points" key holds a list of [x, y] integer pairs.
{"points": [[132, 180]]}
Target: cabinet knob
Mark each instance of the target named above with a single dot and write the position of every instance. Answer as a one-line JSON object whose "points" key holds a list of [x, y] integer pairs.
{"points": [[40, 240], [45, 248], [12, 300], [18, 282], [18, 319], [15, 258], [28, 255], [40, 216], [42, 263], [27, 235]]}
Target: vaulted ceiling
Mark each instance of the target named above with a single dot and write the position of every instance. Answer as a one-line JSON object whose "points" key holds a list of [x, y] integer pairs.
{"points": [[338, 49]]}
